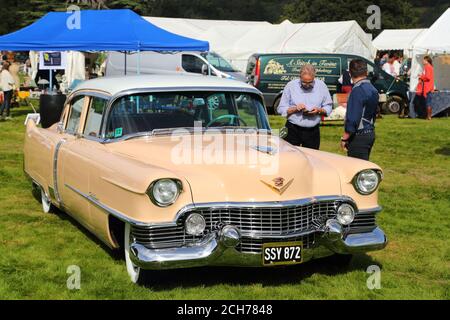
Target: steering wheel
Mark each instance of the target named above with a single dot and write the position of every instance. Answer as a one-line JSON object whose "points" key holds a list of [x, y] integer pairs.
{"points": [[232, 117]]}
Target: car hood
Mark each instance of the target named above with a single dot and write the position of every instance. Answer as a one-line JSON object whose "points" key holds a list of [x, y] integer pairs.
{"points": [[230, 168]]}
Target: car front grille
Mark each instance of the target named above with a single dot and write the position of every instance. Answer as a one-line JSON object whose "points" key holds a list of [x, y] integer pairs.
{"points": [[269, 222], [257, 225]]}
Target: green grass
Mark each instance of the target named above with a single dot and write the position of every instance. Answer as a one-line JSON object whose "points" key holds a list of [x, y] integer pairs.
{"points": [[37, 248]]}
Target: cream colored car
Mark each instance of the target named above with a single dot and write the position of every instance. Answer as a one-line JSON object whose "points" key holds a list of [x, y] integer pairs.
{"points": [[182, 171]]}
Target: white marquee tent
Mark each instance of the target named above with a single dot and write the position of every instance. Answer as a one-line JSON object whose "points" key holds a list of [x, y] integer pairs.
{"points": [[236, 41], [435, 42], [398, 39]]}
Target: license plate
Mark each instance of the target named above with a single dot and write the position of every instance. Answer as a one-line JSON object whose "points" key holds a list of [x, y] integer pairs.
{"points": [[282, 253]]}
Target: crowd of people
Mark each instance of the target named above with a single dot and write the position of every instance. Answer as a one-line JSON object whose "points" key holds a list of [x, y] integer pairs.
{"points": [[400, 67]]}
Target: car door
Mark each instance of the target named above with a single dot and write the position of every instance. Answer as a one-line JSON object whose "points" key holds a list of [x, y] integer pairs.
{"points": [[72, 178]]}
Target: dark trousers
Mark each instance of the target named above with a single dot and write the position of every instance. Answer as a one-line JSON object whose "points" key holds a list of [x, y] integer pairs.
{"points": [[360, 146], [303, 136], [6, 103]]}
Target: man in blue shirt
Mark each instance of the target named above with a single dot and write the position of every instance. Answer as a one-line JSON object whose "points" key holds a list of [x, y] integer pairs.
{"points": [[359, 135], [303, 103]]}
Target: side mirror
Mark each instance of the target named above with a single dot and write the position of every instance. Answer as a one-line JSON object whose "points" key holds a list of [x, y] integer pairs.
{"points": [[205, 69]]}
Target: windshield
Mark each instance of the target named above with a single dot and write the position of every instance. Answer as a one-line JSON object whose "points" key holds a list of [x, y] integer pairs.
{"points": [[145, 112], [218, 62]]}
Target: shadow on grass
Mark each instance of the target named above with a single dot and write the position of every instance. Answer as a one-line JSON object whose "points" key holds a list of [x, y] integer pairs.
{"points": [[445, 151], [115, 254], [274, 276]]}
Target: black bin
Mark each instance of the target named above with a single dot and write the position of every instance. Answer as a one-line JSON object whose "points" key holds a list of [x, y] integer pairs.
{"points": [[51, 108]]}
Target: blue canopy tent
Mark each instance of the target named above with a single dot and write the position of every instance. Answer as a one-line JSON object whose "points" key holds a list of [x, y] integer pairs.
{"points": [[97, 30]]}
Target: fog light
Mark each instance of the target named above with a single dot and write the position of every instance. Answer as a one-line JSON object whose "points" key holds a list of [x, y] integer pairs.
{"points": [[345, 214], [195, 224]]}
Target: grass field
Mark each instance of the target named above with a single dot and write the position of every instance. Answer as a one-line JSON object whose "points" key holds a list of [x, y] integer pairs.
{"points": [[36, 248]]}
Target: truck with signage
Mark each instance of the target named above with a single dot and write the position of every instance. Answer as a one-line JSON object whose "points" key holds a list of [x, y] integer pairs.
{"points": [[271, 72]]}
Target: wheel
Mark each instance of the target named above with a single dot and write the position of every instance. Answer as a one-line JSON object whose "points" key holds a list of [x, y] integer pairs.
{"points": [[47, 206], [137, 275], [394, 105]]}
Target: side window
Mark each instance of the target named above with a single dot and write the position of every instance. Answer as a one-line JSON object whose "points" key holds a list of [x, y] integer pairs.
{"points": [[73, 121], [191, 63], [94, 117]]}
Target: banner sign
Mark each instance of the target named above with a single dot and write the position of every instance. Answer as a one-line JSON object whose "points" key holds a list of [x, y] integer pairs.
{"points": [[52, 60]]}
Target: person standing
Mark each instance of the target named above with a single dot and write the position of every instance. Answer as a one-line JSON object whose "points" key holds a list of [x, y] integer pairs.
{"points": [[359, 134], [425, 87], [390, 67], [6, 83], [303, 103]]}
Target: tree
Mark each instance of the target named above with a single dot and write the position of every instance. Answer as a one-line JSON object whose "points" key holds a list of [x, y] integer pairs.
{"points": [[395, 14]]}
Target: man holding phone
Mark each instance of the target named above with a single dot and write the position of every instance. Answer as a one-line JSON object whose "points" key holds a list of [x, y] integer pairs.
{"points": [[303, 103]]}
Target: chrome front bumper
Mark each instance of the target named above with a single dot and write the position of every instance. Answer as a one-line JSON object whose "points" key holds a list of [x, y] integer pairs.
{"points": [[218, 249]]}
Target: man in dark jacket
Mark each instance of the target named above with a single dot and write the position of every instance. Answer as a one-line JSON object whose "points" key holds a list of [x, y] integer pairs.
{"points": [[359, 135]]}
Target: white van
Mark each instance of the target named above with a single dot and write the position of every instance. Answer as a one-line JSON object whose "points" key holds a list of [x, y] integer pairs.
{"points": [[172, 63]]}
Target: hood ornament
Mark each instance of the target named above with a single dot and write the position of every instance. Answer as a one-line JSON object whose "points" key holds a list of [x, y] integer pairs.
{"points": [[278, 184], [265, 149]]}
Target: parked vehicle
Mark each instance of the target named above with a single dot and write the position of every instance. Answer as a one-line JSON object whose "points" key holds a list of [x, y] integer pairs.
{"points": [[200, 63], [271, 72], [110, 164]]}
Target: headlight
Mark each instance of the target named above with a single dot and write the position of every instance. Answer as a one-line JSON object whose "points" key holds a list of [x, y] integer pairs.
{"points": [[164, 192], [195, 224], [345, 214], [367, 181]]}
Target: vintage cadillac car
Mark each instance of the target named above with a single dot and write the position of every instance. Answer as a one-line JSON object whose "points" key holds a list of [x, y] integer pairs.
{"points": [[111, 163]]}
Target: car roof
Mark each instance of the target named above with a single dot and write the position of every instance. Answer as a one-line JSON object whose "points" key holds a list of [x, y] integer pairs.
{"points": [[115, 85]]}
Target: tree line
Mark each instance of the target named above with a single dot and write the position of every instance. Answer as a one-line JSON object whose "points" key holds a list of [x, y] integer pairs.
{"points": [[395, 14]]}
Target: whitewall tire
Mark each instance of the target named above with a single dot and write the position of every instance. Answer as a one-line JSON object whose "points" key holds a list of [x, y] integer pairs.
{"points": [[47, 206], [136, 274]]}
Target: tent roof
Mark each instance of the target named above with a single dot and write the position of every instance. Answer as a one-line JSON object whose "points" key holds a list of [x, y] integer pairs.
{"points": [[100, 30], [397, 39], [437, 38], [238, 40]]}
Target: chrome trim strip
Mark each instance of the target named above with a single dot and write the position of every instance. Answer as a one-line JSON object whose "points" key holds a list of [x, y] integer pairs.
{"points": [[55, 170], [371, 210], [173, 132], [115, 213]]}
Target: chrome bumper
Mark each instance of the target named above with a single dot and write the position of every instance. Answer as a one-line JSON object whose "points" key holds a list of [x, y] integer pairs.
{"points": [[218, 249]]}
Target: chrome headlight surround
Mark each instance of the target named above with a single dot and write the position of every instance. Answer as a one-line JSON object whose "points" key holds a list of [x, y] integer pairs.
{"points": [[367, 181], [174, 184]]}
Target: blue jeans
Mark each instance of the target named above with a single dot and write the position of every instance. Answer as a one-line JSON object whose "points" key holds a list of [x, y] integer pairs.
{"points": [[6, 103]]}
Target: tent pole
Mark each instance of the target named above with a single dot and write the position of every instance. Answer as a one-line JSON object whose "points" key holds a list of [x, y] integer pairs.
{"points": [[139, 62], [125, 63], [50, 80]]}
